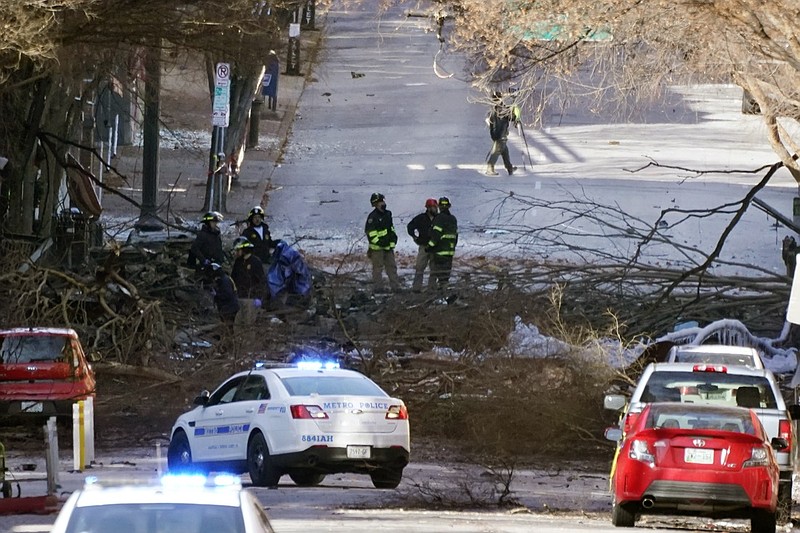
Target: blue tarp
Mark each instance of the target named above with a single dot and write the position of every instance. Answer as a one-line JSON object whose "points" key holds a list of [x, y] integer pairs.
{"points": [[288, 272]]}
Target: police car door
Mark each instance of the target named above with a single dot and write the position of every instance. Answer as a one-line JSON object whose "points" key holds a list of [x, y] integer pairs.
{"points": [[250, 401], [218, 424]]}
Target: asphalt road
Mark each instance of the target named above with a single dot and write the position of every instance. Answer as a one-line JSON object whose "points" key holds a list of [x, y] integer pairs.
{"points": [[375, 117], [432, 498]]}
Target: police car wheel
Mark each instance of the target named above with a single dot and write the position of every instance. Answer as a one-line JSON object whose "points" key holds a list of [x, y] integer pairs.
{"points": [[386, 478], [263, 472], [179, 453], [306, 478]]}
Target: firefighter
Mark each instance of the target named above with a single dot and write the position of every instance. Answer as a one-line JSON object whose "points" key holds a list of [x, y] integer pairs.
{"points": [[382, 240], [257, 232], [207, 246], [420, 230], [249, 278], [442, 244]]}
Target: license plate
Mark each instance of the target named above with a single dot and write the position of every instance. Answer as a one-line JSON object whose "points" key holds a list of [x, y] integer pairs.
{"points": [[698, 456], [31, 407], [358, 452]]}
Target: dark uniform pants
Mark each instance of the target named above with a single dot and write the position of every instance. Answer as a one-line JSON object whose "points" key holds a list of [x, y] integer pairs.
{"points": [[441, 265]]}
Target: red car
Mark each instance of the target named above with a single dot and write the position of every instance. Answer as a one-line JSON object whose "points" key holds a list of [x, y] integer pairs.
{"points": [[700, 460], [43, 371]]}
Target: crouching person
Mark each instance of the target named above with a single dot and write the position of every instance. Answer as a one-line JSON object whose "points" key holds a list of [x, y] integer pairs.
{"points": [[224, 292]]}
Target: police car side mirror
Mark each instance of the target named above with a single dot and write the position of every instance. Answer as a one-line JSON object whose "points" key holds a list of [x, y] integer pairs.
{"points": [[202, 398]]}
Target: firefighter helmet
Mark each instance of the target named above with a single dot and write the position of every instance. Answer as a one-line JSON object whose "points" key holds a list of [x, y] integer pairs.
{"points": [[444, 201], [257, 210], [376, 197], [212, 216], [431, 202], [242, 243]]}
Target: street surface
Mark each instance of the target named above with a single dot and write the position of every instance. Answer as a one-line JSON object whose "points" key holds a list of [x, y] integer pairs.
{"points": [[375, 117], [545, 501]]}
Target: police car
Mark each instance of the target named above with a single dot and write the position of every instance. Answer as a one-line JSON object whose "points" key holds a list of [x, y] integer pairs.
{"points": [[188, 504], [306, 421]]}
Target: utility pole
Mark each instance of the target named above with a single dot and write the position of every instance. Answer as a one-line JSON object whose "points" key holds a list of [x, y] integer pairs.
{"points": [[148, 218]]}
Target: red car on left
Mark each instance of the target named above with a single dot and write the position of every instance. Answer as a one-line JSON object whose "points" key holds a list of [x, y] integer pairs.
{"points": [[700, 460], [43, 371]]}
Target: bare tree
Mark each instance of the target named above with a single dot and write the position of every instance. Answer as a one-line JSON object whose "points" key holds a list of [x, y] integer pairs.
{"points": [[55, 57]]}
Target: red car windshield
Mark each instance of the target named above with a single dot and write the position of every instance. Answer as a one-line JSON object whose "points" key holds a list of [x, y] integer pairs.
{"points": [[19, 349]]}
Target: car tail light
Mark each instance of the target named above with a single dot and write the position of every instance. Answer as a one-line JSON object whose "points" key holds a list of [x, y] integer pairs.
{"points": [[710, 368], [640, 451], [307, 411], [785, 432], [630, 420], [397, 412], [759, 456]]}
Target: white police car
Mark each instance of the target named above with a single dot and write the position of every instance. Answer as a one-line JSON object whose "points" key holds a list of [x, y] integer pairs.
{"points": [[185, 504], [306, 421]]}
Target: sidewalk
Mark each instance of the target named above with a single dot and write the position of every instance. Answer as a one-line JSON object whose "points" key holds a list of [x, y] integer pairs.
{"points": [[183, 157]]}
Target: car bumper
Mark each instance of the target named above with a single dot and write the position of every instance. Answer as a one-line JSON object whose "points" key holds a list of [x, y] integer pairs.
{"points": [[37, 408], [331, 460], [676, 489]]}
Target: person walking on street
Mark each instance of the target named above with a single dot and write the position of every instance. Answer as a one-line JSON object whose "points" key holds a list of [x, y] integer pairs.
{"points": [[257, 232], [499, 119], [207, 246], [382, 240], [250, 280], [442, 244], [420, 230]]}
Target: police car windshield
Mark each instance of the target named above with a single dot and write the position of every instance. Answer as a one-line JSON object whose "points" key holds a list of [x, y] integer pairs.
{"points": [[156, 518], [331, 386], [709, 388]]}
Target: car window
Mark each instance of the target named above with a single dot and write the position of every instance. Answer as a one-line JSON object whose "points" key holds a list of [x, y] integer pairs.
{"points": [[254, 388], [156, 518], [331, 386], [227, 392], [714, 358], [678, 419], [30, 349], [709, 388]]}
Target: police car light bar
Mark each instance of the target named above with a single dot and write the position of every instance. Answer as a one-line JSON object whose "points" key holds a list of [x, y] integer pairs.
{"points": [[317, 365]]}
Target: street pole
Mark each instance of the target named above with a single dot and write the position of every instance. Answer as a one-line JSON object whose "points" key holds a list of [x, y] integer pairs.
{"points": [[148, 220]]}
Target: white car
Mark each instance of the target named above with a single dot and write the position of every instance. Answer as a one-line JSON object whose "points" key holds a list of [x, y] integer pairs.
{"points": [[715, 354], [304, 422], [185, 504]]}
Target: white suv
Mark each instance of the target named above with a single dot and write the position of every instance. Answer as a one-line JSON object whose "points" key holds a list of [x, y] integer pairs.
{"points": [[726, 386], [304, 422]]}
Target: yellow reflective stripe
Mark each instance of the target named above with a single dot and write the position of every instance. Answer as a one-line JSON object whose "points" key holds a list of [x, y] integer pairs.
{"points": [[436, 228]]}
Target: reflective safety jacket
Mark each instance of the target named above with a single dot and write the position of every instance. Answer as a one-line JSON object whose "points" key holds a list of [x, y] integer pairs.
{"points": [[380, 230], [444, 234], [261, 241]]}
